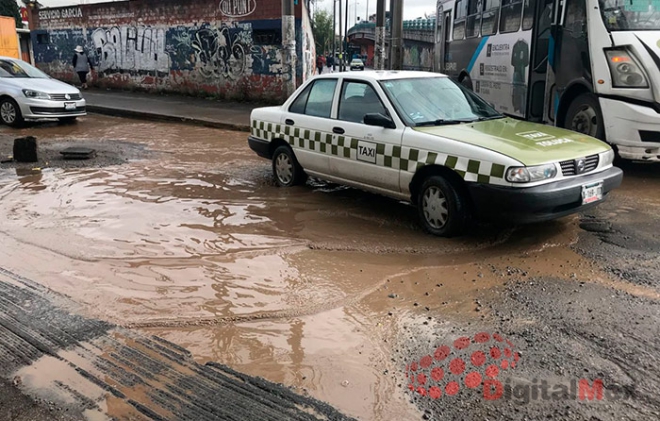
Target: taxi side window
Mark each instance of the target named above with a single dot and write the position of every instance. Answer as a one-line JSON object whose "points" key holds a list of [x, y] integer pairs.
{"points": [[358, 99], [316, 99], [300, 103], [319, 103]]}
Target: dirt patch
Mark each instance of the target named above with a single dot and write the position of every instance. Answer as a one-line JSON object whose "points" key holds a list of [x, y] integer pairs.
{"points": [[108, 152]]}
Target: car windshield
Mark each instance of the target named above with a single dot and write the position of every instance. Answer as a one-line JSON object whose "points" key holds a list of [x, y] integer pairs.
{"points": [[631, 15], [16, 69], [436, 100]]}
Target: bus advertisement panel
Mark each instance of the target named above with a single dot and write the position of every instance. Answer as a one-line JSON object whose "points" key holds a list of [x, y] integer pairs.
{"points": [[499, 70]]}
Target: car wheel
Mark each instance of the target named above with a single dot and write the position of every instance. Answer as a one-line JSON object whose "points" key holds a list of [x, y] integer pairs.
{"points": [[286, 169], [68, 120], [10, 112], [442, 208], [584, 116]]}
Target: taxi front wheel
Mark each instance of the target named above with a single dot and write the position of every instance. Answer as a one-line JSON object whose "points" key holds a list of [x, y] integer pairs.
{"points": [[286, 169], [442, 208]]}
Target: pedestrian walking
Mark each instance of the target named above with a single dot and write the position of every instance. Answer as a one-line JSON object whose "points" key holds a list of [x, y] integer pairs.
{"points": [[82, 65], [330, 62]]}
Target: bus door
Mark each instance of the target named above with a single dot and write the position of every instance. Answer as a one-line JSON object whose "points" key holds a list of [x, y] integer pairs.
{"points": [[541, 77], [572, 63], [442, 38]]}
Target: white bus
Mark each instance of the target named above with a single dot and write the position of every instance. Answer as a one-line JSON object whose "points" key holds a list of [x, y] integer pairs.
{"points": [[592, 66]]}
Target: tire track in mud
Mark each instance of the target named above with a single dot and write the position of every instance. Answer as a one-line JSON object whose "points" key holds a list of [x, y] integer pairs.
{"points": [[109, 372]]}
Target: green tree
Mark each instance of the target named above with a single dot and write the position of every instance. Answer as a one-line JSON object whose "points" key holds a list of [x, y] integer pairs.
{"points": [[323, 31], [10, 8]]}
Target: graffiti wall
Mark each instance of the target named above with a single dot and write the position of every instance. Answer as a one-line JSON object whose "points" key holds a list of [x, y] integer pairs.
{"points": [[231, 48]]}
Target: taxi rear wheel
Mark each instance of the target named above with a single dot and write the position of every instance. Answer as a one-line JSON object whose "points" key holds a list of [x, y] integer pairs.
{"points": [[442, 208], [286, 169]]}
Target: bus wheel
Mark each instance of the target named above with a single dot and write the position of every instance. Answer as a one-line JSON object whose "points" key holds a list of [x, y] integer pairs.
{"points": [[584, 116], [467, 82]]}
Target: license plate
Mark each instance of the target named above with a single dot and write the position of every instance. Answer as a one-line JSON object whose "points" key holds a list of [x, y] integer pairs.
{"points": [[70, 106], [592, 192]]}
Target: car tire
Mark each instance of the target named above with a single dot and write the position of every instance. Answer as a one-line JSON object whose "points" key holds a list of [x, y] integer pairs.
{"points": [[10, 112], [286, 169], [584, 116], [68, 120], [443, 210]]}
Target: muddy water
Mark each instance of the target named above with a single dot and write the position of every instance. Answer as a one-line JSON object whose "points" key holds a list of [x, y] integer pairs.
{"points": [[306, 286]]}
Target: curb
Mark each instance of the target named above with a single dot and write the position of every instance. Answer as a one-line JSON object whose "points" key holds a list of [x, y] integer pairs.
{"points": [[119, 112]]}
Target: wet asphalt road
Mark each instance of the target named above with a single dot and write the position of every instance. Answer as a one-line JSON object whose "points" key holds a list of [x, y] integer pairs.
{"points": [[178, 232]]}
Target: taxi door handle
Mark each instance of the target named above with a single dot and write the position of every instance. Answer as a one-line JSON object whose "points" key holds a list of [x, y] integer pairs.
{"points": [[289, 122], [337, 130]]}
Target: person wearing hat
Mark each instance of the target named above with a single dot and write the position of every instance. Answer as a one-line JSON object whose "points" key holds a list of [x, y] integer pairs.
{"points": [[82, 65]]}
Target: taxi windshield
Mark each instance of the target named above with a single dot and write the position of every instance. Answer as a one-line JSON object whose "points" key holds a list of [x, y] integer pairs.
{"points": [[436, 100], [631, 15]]}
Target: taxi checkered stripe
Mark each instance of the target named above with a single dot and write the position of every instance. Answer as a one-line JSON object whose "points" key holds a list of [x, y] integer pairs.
{"points": [[391, 156]]}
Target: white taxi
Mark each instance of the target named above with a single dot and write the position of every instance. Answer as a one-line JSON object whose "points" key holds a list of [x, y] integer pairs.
{"points": [[423, 138]]}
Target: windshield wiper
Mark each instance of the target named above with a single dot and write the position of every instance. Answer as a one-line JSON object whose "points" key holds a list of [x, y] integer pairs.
{"points": [[493, 117], [442, 122]]}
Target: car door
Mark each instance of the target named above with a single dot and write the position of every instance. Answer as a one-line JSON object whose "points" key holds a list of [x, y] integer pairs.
{"points": [[366, 154], [307, 124]]}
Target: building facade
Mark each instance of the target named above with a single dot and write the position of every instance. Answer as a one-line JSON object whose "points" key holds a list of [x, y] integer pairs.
{"points": [[228, 48]]}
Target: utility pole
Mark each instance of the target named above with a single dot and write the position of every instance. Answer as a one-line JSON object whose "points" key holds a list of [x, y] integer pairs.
{"points": [[396, 62], [345, 41], [341, 41], [289, 45], [379, 48], [334, 30]]}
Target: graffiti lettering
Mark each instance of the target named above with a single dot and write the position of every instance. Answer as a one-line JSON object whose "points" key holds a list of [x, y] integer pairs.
{"points": [[131, 49], [237, 8], [219, 53]]}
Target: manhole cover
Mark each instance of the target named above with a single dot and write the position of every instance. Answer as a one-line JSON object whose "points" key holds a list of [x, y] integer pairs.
{"points": [[77, 152]]}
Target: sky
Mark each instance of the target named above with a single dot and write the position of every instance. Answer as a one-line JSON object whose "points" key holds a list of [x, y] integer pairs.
{"points": [[412, 8]]}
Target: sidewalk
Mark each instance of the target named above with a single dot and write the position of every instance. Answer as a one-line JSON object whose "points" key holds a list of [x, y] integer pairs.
{"points": [[186, 109]]}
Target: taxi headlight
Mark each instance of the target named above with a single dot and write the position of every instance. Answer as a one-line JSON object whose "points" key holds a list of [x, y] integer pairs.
{"points": [[607, 158], [531, 174]]}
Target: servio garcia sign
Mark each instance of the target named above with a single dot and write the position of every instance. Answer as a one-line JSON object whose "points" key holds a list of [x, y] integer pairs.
{"points": [[66, 13], [237, 8]]}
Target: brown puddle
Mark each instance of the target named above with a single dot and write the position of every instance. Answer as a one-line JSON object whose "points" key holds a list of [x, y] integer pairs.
{"points": [[199, 247]]}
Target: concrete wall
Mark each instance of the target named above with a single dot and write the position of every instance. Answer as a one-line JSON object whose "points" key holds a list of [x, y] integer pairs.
{"points": [[230, 48]]}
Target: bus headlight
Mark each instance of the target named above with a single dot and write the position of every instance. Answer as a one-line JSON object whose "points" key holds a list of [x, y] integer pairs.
{"points": [[531, 174], [626, 73]]}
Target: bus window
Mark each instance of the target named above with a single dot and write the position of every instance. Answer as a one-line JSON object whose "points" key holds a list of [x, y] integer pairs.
{"points": [[528, 15], [459, 19], [472, 20], [543, 37], [510, 16], [490, 17], [576, 17]]}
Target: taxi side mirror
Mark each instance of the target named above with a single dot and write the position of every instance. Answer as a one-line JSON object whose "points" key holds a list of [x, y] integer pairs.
{"points": [[379, 120]]}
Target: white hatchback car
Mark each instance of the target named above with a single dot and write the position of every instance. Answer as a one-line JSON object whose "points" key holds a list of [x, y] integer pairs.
{"points": [[421, 137], [28, 93]]}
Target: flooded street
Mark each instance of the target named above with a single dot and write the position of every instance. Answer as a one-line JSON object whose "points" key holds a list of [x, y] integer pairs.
{"points": [[179, 232]]}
